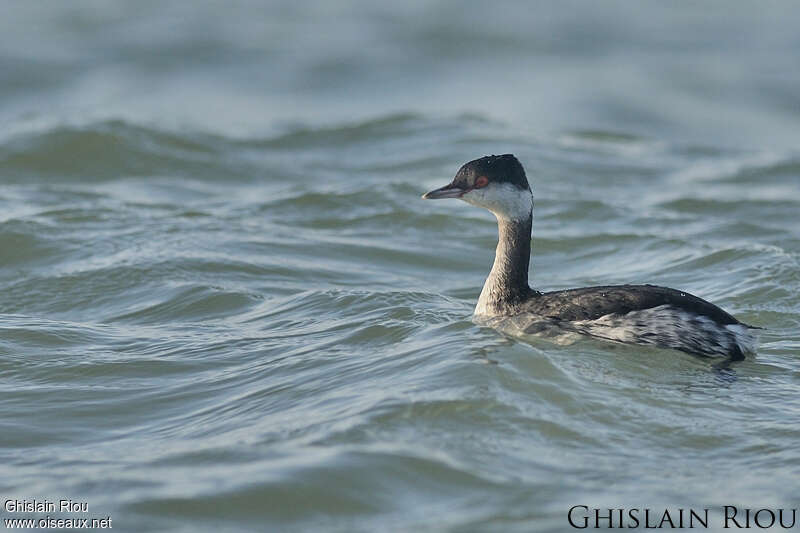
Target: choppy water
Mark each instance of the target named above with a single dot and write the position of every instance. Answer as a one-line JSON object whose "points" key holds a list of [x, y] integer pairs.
{"points": [[225, 308]]}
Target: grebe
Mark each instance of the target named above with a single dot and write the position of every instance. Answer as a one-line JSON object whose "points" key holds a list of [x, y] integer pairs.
{"points": [[637, 314]]}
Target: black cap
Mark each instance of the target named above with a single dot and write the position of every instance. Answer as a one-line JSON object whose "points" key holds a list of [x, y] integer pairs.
{"points": [[498, 168]]}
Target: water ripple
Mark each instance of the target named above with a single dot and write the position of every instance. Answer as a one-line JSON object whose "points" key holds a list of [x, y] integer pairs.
{"points": [[276, 329]]}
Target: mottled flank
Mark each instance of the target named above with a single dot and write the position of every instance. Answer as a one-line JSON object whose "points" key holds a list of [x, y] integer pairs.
{"points": [[671, 327], [644, 314]]}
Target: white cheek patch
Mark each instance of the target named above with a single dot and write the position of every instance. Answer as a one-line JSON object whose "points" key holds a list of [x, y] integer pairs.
{"points": [[504, 200]]}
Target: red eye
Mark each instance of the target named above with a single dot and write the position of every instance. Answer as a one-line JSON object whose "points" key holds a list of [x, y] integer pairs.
{"points": [[481, 182]]}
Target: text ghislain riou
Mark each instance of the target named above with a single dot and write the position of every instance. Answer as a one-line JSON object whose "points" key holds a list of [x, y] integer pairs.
{"points": [[45, 506], [730, 516]]}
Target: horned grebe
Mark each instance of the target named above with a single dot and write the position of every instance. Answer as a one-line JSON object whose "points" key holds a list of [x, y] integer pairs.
{"points": [[638, 314]]}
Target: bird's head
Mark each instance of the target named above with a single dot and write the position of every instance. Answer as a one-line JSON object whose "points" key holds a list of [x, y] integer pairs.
{"points": [[494, 182]]}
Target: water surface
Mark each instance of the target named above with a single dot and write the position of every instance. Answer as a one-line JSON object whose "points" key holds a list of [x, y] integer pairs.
{"points": [[225, 308]]}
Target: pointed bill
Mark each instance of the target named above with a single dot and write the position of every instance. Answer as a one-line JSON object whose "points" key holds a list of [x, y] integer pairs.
{"points": [[448, 191]]}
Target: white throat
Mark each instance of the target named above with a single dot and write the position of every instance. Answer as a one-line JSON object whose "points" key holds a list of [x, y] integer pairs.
{"points": [[504, 200]]}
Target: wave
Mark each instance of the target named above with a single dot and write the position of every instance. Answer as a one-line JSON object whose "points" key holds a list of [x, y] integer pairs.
{"points": [[108, 149]]}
